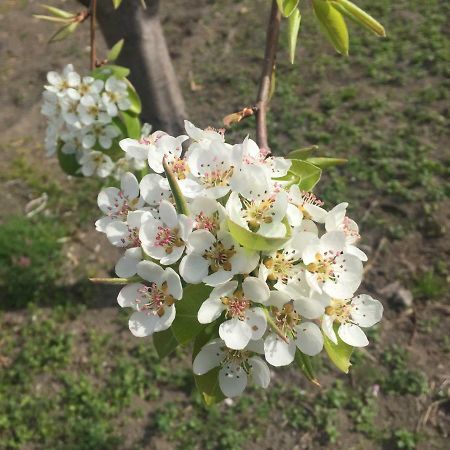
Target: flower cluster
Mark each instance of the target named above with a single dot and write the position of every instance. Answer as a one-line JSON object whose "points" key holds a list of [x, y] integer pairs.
{"points": [[82, 115], [266, 273]]}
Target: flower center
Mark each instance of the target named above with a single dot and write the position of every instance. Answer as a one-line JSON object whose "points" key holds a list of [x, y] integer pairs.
{"points": [[236, 305], [217, 177], [286, 319], [168, 238], [153, 299], [280, 267], [204, 222], [323, 267], [219, 257], [257, 213], [311, 199], [339, 310], [179, 168]]}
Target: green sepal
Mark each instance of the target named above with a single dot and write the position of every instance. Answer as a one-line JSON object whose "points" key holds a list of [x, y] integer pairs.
{"points": [[186, 326], [339, 354], [208, 384], [332, 24], [254, 241], [63, 32], [180, 201], [294, 28], [165, 342], [324, 162], [304, 362]]}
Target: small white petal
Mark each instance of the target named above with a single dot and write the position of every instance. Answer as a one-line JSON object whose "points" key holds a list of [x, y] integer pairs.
{"points": [[309, 338], [257, 321], [277, 352], [327, 328], [128, 295], [210, 356], [142, 324], [366, 311], [210, 310], [232, 380], [260, 371], [193, 268], [150, 271], [352, 335], [256, 290], [236, 333]]}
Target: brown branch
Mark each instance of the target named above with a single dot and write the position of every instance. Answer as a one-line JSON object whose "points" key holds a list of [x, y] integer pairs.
{"points": [[262, 101], [92, 15]]}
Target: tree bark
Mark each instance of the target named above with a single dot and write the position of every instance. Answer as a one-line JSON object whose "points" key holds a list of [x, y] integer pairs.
{"points": [[146, 54]]}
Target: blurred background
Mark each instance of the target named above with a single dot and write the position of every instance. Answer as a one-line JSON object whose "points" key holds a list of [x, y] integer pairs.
{"points": [[71, 374]]}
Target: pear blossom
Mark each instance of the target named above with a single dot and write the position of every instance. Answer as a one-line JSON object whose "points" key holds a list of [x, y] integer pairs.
{"points": [[154, 189], [350, 315], [237, 368], [96, 162], [139, 149], [304, 206], [245, 320], [214, 260], [115, 96], [153, 300], [336, 219], [91, 110], [293, 332], [165, 239], [60, 83], [126, 233], [328, 267], [117, 203]]}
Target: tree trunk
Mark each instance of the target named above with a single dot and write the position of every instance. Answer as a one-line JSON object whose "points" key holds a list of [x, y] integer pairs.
{"points": [[146, 54]]}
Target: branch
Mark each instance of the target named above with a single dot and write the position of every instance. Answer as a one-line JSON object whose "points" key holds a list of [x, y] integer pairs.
{"points": [[262, 101], [92, 15]]}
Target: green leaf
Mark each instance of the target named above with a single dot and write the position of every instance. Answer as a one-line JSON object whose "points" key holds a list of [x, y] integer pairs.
{"points": [[208, 384], [180, 201], [63, 32], [332, 25], [308, 174], [359, 16], [116, 3], [132, 123], [339, 354], [186, 326], [165, 342], [108, 70], [136, 105], [58, 12], [69, 163], [114, 53], [294, 28], [51, 18], [324, 162], [302, 153], [287, 7], [254, 241], [304, 362]]}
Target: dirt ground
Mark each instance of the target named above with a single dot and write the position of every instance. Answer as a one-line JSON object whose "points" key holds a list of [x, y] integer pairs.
{"points": [[385, 109]]}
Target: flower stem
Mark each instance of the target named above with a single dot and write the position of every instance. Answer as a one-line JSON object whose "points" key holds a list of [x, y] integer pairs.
{"points": [[262, 101], [92, 16], [119, 281], [274, 327]]}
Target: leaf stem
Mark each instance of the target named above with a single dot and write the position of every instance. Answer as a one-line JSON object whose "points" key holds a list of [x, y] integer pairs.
{"points": [[119, 281], [273, 325]]}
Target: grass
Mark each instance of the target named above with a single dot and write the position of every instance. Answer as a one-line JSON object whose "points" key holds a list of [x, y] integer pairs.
{"points": [[72, 378]]}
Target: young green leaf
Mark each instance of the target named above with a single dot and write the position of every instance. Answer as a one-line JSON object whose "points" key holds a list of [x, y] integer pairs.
{"points": [[180, 201], [132, 123], [294, 28], [359, 16], [114, 53], [254, 241], [136, 105], [308, 174], [339, 354], [69, 163], [165, 342], [302, 153], [58, 12], [332, 25], [186, 326], [116, 3], [104, 72], [304, 362], [51, 18], [324, 162], [287, 7], [208, 384], [63, 32]]}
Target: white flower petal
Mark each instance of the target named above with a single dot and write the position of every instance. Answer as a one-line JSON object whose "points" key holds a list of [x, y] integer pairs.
{"points": [[309, 338], [210, 356], [210, 310], [193, 268], [232, 380], [327, 328], [256, 290], [257, 321], [352, 335], [366, 311], [150, 271], [260, 372], [236, 333], [277, 352], [128, 295], [142, 324]]}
